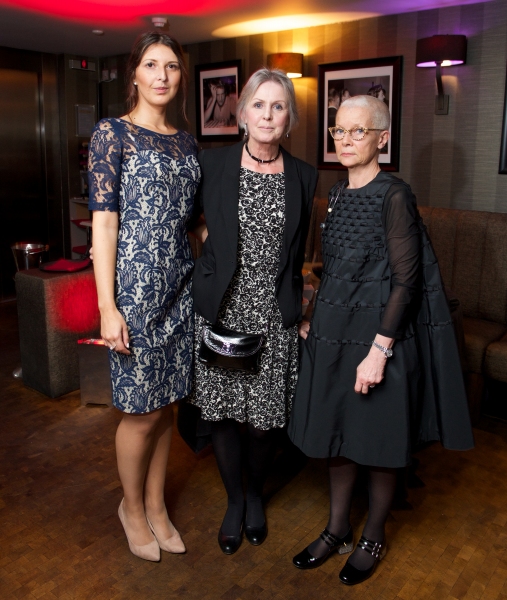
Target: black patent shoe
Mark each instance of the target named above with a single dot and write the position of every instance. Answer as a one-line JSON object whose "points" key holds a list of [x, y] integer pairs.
{"points": [[304, 560], [256, 535], [351, 575], [229, 544]]}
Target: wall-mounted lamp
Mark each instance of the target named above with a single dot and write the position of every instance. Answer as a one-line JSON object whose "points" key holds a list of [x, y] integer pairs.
{"points": [[441, 51], [290, 62]]}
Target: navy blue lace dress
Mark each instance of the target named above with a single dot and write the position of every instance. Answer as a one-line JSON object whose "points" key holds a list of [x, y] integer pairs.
{"points": [[150, 179]]}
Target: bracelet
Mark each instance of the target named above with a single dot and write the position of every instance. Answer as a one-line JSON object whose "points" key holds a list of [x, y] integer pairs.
{"points": [[387, 351]]}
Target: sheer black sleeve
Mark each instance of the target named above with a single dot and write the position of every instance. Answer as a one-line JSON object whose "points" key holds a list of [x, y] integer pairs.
{"points": [[400, 221]]}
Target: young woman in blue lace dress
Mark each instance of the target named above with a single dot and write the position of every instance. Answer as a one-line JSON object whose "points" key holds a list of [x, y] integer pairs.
{"points": [[143, 177]]}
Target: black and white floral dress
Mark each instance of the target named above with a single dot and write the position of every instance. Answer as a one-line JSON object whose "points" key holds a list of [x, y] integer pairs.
{"points": [[249, 305]]}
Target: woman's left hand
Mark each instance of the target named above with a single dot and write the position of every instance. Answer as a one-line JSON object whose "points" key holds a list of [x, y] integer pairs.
{"points": [[370, 372]]}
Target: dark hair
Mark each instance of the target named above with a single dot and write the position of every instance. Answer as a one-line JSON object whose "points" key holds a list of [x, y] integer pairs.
{"points": [[332, 95], [141, 45], [376, 89]]}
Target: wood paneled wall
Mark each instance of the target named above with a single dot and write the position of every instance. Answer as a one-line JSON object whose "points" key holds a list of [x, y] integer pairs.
{"points": [[451, 160]]}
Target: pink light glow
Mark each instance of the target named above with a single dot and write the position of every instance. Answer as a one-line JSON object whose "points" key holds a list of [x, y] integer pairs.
{"points": [[76, 305], [119, 11], [449, 63]]}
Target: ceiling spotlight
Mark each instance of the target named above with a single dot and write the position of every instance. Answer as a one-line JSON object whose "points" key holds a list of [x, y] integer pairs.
{"points": [[97, 31], [159, 22]]}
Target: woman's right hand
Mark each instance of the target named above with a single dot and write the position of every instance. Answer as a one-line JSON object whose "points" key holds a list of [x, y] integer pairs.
{"points": [[113, 330], [303, 329]]}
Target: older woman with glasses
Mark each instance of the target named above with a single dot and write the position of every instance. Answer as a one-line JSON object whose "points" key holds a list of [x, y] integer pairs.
{"points": [[380, 369]]}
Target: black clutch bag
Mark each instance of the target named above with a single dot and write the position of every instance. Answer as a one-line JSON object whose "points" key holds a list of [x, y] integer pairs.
{"points": [[221, 347]]}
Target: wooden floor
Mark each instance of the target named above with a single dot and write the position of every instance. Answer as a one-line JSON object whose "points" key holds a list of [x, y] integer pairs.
{"points": [[60, 536]]}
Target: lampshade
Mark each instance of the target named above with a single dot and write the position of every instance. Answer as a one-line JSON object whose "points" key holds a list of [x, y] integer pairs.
{"points": [[290, 62], [445, 49]]}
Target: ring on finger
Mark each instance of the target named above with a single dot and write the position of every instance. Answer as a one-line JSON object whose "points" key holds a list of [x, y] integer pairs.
{"points": [[372, 386]]}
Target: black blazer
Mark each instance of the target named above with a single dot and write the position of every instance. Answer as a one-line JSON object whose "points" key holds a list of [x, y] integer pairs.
{"points": [[218, 198]]}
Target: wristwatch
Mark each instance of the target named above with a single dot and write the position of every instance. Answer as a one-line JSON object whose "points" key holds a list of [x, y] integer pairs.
{"points": [[387, 351]]}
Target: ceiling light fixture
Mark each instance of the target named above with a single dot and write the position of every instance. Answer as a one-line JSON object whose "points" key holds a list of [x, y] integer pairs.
{"points": [[289, 22], [97, 31], [441, 51], [159, 22], [289, 62]]}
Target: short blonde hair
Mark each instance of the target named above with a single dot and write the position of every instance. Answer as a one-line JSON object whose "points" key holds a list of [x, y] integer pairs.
{"points": [[380, 116], [256, 80]]}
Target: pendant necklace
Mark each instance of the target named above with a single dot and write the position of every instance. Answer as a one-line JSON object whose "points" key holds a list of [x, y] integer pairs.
{"points": [[332, 204], [260, 160]]}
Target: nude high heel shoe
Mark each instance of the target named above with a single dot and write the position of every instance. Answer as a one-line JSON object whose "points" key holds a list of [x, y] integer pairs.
{"points": [[174, 544], [149, 551]]}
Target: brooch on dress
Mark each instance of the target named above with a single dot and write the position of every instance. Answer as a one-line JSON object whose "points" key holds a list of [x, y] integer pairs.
{"points": [[332, 203]]}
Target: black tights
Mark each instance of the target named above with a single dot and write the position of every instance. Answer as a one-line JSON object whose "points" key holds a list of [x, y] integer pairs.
{"points": [[226, 438], [381, 487]]}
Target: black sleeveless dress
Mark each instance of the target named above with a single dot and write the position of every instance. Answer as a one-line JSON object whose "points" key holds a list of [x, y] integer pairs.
{"points": [[380, 275]]}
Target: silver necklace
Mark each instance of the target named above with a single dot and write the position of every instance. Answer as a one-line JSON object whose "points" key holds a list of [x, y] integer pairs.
{"points": [[333, 201]]}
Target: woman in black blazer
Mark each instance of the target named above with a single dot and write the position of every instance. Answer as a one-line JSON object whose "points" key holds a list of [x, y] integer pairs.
{"points": [[257, 201]]}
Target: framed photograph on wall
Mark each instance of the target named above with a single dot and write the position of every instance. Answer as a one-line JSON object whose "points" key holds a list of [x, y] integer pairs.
{"points": [[217, 90], [378, 77], [85, 120], [502, 167]]}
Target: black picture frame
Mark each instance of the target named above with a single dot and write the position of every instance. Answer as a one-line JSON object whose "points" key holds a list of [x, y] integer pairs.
{"points": [[227, 77], [502, 167], [376, 76]]}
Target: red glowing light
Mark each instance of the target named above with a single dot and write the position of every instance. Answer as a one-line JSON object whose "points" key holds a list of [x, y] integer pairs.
{"points": [[119, 11], [84, 63], [75, 305]]}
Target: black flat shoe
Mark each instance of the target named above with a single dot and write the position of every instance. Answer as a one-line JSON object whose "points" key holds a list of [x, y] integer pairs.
{"points": [[256, 535], [350, 575], [304, 560], [229, 544]]}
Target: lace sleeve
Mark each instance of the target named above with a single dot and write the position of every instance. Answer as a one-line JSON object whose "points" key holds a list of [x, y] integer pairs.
{"points": [[104, 168], [400, 221], [197, 209]]}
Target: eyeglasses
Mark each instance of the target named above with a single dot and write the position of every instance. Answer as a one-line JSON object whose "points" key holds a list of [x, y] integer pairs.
{"points": [[357, 134]]}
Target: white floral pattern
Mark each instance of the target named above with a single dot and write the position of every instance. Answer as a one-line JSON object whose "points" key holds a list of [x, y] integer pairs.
{"points": [[150, 179]]}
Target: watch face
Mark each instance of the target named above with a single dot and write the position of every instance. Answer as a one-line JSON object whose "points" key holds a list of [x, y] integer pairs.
{"points": [[389, 353]]}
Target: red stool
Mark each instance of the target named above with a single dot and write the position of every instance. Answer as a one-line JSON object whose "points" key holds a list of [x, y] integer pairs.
{"points": [[84, 224]]}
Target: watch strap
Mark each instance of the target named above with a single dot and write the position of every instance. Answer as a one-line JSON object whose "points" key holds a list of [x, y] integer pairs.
{"points": [[387, 351]]}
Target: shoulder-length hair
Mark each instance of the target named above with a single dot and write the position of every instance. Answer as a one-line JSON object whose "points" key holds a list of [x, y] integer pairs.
{"points": [[141, 45], [257, 79]]}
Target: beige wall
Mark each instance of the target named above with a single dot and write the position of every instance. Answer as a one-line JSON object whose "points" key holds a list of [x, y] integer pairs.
{"points": [[451, 160]]}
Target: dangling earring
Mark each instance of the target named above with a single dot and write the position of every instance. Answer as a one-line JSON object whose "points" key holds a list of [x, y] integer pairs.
{"points": [[135, 83], [287, 135], [246, 131]]}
